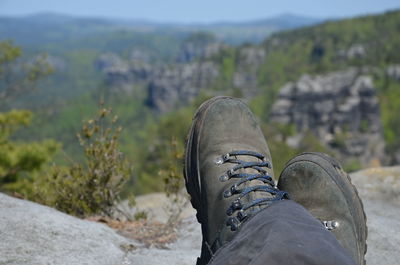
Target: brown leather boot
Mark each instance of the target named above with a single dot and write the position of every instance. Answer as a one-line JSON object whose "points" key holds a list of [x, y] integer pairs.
{"points": [[228, 170], [318, 183]]}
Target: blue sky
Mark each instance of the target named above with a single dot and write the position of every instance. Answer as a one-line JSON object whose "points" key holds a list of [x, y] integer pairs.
{"points": [[198, 11]]}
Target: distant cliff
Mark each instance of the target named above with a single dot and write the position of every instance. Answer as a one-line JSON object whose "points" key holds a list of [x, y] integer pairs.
{"points": [[196, 70], [341, 109], [338, 81]]}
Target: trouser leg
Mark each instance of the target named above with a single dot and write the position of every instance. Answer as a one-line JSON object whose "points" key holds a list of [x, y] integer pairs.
{"points": [[283, 233]]}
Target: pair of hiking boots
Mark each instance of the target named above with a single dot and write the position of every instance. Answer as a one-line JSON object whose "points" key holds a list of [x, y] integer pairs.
{"points": [[229, 176]]}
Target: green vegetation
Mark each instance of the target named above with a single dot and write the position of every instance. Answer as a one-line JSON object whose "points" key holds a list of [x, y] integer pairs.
{"points": [[370, 42], [93, 187], [20, 161], [390, 109], [155, 143], [227, 61], [329, 47], [73, 57], [159, 158]]}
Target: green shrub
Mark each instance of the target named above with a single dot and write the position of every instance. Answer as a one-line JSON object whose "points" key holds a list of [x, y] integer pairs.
{"points": [[20, 161], [339, 141], [352, 165], [92, 187]]}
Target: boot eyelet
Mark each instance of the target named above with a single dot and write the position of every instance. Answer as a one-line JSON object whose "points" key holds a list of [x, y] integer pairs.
{"points": [[224, 178], [241, 215], [227, 193], [234, 189], [233, 222], [225, 157], [237, 204], [331, 225], [219, 160]]}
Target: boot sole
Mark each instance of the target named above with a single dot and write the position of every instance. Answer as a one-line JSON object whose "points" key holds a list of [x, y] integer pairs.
{"points": [[342, 181]]}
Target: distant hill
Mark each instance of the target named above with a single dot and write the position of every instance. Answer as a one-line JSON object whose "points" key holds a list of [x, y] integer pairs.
{"points": [[49, 27], [74, 43]]}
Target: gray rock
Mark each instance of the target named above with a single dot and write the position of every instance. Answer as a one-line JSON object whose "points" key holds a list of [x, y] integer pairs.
{"points": [[199, 49], [354, 51], [182, 252], [393, 71], [110, 62], [245, 77], [124, 76], [158, 207], [34, 234], [170, 86], [165, 87], [337, 105], [379, 189], [175, 86]]}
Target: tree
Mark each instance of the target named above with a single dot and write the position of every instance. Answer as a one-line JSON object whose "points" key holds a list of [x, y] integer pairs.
{"points": [[19, 161]]}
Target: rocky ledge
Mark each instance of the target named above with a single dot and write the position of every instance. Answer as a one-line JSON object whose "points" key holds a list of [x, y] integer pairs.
{"points": [[34, 234]]}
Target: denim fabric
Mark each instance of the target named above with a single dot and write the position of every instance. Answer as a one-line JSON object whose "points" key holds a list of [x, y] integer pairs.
{"points": [[283, 233]]}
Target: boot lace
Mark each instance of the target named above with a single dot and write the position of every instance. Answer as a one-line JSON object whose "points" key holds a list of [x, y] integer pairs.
{"points": [[268, 186]]}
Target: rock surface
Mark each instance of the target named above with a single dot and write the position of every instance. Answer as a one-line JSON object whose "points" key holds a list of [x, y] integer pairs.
{"points": [[341, 109], [165, 86], [199, 46], [379, 189], [174, 86], [35, 234], [245, 78], [170, 86], [393, 71]]}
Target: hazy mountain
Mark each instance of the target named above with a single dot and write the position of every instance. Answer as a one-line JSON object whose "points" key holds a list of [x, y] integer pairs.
{"points": [[49, 27]]}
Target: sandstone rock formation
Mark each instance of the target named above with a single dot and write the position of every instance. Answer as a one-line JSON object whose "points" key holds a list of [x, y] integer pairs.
{"points": [[192, 50], [175, 86], [393, 71], [340, 108], [354, 51], [245, 77], [170, 86], [166, 86], [121, 75]]}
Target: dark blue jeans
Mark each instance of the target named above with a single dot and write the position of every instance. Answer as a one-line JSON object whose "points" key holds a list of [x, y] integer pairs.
{"points": [[284, 233]]}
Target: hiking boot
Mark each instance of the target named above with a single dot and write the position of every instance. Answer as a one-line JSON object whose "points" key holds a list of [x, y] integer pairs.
{"points": [[228, 170], [318, 183]]}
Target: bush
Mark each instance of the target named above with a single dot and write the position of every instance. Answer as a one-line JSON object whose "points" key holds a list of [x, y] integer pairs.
{"points": [[93, 187], [20, 161]]}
